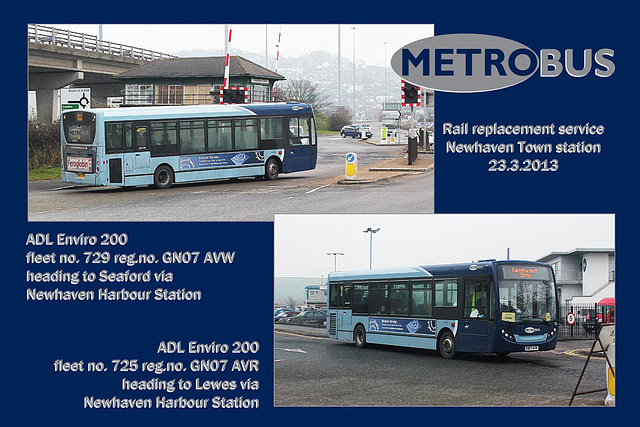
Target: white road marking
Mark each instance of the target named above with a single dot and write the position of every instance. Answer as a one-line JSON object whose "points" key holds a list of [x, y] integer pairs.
{"points": [[293, 350], [317, 188]]}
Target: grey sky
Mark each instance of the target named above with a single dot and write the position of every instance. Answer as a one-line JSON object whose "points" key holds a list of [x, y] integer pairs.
{"points": [[296, 40], [302, 241]]}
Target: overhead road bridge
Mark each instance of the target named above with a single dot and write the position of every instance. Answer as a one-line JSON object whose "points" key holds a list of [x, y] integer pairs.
{"points": [[59, 58]]}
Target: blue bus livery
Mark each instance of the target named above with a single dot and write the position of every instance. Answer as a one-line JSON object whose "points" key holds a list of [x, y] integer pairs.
{"points": [[162, 145], [483, 307]]}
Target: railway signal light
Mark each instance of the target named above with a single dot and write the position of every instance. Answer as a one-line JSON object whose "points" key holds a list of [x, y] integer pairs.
{"points": [[410, 94], [234, 95]]}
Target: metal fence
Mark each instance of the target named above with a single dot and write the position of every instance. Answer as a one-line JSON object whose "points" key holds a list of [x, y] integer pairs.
{"points": [[588, 318], [58, 37]]}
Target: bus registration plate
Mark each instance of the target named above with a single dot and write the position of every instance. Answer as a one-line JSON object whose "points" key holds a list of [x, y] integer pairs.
{"points": [[531, 348]]}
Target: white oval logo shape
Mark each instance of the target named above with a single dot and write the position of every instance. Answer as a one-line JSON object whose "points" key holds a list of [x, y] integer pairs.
{"points": [[465, 63], [529, 330]]}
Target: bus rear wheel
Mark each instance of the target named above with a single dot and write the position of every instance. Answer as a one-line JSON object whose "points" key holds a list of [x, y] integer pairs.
{"points": [[447, 345], [272, 169], [360, 336], [163, 177]]}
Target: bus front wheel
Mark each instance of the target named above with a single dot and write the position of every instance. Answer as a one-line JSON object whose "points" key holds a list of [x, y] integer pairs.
{"points": [[447, 345], [271, 169], [360, 336], [163, 177]]}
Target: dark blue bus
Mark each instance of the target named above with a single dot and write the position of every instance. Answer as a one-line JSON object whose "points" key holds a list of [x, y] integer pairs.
{"points": [[483, 307], [171, 144]]}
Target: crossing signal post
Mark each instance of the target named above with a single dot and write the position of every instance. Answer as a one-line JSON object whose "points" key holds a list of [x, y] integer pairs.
{"points": [[411, 97]]}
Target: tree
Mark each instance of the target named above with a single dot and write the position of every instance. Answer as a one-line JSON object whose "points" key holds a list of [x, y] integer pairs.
{"points": [[290, 301], [302, 91], [341, 117]]}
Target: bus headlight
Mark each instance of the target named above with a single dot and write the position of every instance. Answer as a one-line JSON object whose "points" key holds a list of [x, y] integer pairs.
{"points": [[506, 335]]}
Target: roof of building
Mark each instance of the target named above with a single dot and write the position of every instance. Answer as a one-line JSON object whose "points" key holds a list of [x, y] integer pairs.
{"points": [[210, 66], [577, 251]]}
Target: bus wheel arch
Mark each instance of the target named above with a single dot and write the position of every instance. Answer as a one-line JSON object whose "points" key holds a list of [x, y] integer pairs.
{"points": [[272, 168], [446, 344], [164, 176], [360, 336]]}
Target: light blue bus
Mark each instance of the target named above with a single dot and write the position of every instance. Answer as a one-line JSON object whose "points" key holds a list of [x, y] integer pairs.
{"points": [[483, 307], [175, 144]]}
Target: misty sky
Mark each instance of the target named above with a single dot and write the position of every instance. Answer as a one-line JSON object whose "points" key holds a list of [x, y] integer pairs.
{"points": [[303, 241], [296, 40]]}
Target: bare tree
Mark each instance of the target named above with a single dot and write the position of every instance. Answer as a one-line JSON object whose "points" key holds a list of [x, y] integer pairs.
{"points": [[290, 301], [302, 91], [340, 117]]}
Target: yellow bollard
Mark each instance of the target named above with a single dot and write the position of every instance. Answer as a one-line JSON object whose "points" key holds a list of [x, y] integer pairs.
{"points": [[611, 379], [351, 166]]}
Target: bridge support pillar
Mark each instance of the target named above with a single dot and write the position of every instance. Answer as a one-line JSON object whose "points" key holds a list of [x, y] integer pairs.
{"points": [[47, 105], [46, 86]]}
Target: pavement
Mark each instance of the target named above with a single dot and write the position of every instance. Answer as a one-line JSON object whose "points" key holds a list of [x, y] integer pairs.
{"points": [[579, 348], [389, 169]]}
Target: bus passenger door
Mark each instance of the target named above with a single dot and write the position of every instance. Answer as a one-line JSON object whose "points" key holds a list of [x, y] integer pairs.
{"points": [[300, 146], [344, 313], [477, 316], [137, 160]]}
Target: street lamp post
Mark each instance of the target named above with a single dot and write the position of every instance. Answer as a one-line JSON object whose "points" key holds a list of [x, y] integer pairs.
{"points": [[335, 259], [385, 75], [354, 72], [339, 70], [371, 232]]}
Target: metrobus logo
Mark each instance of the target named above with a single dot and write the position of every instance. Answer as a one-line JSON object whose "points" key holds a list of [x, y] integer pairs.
{"points": [[481, 63]]}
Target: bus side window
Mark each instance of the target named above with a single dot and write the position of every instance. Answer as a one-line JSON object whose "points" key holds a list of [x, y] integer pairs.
{"points": [[421, 299], [299, 131], [113, 137], [245, 134], [378, 298], [346, 296], [128, 137], [446, 291], [312, 130], [219, 136], [476, 298], [141, 138], [164, 138], [333, 292]]}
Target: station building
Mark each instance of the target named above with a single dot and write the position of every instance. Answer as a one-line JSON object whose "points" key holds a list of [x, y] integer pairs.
{"points": [[583, 275], [189, 81]]}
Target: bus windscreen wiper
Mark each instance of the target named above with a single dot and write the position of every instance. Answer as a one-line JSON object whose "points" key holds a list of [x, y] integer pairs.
{"points": [[536, 317]]}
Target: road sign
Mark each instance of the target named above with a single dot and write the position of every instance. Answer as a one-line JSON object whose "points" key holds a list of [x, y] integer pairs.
{"points": [[351, 166], [571, 319], [75, 98], [391, 115]]}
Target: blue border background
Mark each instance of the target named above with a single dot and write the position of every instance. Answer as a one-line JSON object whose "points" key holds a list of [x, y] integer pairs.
{"points": [[35, 334]]}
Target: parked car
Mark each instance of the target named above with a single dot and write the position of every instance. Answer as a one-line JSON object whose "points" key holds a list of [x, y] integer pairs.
{"points": [[282, 317], [279, 311], [354, 132], [308, 318]]}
